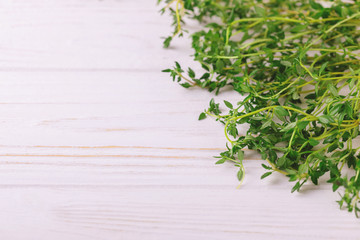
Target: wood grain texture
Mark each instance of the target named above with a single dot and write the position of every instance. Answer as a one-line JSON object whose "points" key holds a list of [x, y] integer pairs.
{"points": [[97, 143]]}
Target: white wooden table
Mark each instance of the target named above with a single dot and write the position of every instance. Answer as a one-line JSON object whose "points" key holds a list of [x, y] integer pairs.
{"points": [[97, 143]]}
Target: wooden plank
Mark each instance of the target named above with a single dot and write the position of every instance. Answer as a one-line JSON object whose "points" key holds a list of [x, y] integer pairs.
{"points": [[85, 36], [97, 143]]}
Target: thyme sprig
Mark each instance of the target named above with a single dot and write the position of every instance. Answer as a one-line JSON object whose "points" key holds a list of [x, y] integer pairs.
{"points": [[297, 66]]}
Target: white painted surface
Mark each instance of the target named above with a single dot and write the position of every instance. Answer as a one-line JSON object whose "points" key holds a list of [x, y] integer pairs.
{"points": [[97, 143]]}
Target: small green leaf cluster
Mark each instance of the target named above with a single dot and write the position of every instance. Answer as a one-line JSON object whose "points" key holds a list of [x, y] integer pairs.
{"points": [[296, 65]]}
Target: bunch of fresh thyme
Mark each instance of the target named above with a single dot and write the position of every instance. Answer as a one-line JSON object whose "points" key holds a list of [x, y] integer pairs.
{"points": [[297, 64]]}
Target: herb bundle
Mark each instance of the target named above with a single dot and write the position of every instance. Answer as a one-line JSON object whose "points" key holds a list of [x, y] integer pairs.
{"points": [[297, 65]]}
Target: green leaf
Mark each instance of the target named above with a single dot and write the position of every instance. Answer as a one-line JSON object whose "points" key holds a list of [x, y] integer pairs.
{"points": [[299, 70], [260, 11], [295, 96], [313, 142], [177, 65], [298, 28], [266, 167], [286, 63], [348, 109], [232, 130], [315, 5], [335, 186], [221, 161], [330, 139], [265, 175], [219, 65], [272, 156], [335, 109], [280, 112], [302, 125], [202, 116], [185, 85], [240, 175], [289, 127], [333, 90], [167, 42], [257, 118], [352, 83], [228, 104], [281, 161], [191, 73], [240, 155], [266, 124], [355, 132], [326, 119], [303, 168], [344, 12], [296, 187], [322, 68], [245, 88], [263, 155]]}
